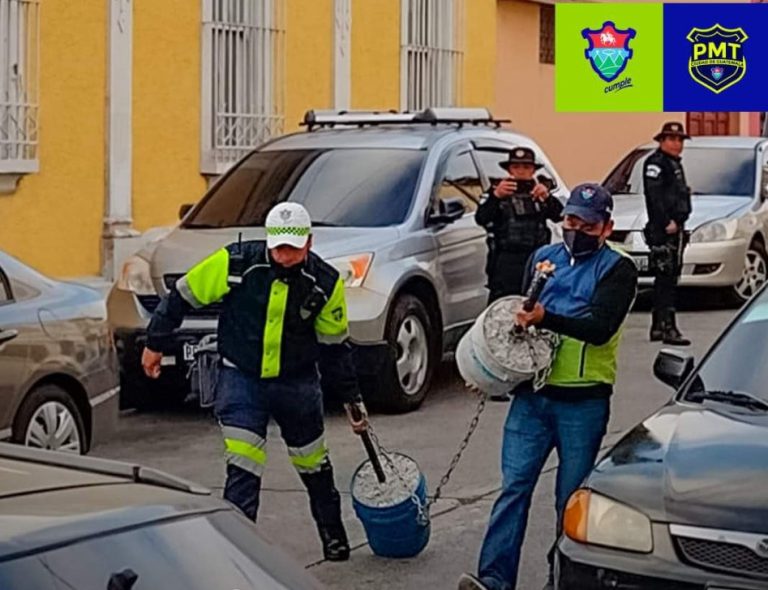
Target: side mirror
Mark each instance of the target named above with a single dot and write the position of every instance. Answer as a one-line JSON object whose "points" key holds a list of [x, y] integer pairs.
{"points": [[672, 367], [184, 209], [451, 210]]}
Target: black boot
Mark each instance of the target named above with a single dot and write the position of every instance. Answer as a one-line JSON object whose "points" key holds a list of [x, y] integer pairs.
{"points": [[657, 326], [672, 335], [335, 543]]}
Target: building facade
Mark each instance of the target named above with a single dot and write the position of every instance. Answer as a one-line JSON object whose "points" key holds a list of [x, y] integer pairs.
{"points": [[107, 132]]}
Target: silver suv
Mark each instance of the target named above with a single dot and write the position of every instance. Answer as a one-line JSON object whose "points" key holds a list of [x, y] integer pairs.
{"points": [[392, 198]]}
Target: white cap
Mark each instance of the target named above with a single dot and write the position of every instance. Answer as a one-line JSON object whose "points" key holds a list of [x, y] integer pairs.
{"points": [[288, 224]]}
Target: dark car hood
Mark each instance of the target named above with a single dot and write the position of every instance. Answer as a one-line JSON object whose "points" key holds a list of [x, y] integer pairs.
{"points": [[692, 464]]}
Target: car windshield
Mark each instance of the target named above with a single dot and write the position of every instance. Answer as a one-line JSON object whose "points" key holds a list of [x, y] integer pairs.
{"points": [[737, 362], [339, 188], [709, 171]]}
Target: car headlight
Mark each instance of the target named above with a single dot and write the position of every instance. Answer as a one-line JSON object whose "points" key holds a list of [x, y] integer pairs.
{"points": [[716, 231], [353, 268], [135, 277], [596, 520]]}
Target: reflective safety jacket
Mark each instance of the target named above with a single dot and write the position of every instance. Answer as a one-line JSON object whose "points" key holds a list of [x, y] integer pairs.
{"points": [[275, 322]]}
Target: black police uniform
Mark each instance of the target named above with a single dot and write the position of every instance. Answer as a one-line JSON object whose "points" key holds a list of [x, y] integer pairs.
{"points": [[517, 226], [667, 198]]}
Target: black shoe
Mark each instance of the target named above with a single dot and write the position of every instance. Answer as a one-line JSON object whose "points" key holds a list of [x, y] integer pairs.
{"points": [[470, 582], [672, 335], [335, 544], [657, 327]]}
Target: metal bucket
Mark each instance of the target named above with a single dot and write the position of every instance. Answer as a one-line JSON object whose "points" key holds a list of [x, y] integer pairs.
{"points": [[488, 371]]}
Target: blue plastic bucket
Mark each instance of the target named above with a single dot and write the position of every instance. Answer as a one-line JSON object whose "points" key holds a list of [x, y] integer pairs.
{"points": [[394, 531]]}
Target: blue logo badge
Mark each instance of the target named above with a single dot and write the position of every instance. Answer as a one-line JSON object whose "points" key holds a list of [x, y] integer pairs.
{"points": [[608, 51], [717, 57], [587, 194]]}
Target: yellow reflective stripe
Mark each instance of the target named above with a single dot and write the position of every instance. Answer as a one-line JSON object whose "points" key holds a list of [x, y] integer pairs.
{"points": [[243, 449], [312, 460], [331, 324], [273, 329], [206, 282]]}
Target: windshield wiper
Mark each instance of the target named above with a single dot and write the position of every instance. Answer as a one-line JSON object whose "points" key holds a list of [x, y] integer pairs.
{"points": [[736, 398], [325, 224], [200, 226]]}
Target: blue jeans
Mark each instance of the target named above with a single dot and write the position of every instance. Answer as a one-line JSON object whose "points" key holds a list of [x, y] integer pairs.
{"points": [[535, 425]]}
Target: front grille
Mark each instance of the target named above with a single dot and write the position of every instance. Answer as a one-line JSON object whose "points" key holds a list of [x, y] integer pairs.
{"points": [[725, 557], [150, 302]]}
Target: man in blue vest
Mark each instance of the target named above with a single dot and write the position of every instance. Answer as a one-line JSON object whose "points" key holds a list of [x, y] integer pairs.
{"points": [[284, 316], [585, 302]]}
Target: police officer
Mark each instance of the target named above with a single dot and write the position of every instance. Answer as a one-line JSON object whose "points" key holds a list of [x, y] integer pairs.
{"points": [[668, 202], [515, 213], [284, 312]]}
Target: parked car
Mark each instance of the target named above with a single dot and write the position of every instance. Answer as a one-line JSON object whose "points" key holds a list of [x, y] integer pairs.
{"points": [[681, 501], [59, 381], [729, 223], [392, 197], [92, 524]]}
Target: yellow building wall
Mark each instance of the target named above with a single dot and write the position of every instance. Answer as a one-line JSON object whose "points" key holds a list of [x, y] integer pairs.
{"points": [[375, 54], [53, 220], [582, 146], [166, 110], [309, 52], [480, 54]]}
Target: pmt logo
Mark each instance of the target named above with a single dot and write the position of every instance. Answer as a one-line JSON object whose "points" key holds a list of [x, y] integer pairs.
{"points": [[609, 52], [717, 57]]}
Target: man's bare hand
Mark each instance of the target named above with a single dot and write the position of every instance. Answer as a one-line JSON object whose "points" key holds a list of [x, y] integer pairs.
{"points": [[672, 228], [151, 362], [361, 425], [540, 192], [506, 188], [530, 318]]}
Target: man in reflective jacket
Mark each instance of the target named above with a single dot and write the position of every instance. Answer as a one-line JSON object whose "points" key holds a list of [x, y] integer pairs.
{"points": [[283, 316]]}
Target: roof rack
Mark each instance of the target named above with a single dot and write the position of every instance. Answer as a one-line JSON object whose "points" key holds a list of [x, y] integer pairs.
{"points": [[315, 119]]}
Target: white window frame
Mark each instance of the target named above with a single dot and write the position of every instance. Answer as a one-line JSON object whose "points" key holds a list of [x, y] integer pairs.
{"points": [[19, 86], [431, 53], [243, 99]]}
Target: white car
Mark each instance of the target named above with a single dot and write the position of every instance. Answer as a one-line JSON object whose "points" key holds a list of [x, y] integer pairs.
{"points": [[729, 223]]}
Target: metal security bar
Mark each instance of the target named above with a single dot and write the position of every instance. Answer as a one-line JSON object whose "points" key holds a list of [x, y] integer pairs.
{"points": [[432, 53], [243, 78], [19, 85]]}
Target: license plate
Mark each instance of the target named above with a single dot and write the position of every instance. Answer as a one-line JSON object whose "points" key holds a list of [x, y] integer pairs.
{"points": [[190, 350], [641, 262]]}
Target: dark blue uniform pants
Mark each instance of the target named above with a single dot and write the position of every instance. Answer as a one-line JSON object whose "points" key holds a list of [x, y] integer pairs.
{"points": [[244, 406]]}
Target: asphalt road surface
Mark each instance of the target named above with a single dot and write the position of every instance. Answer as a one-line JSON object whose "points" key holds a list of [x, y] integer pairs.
{"points": [[187, 443]]}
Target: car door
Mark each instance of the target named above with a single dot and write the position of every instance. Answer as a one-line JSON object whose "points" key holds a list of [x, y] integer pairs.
{"points": [[13, 354], [461, 244]]}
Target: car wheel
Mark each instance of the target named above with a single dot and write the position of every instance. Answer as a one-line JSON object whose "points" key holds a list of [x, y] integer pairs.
{"points": [[410, 333], [755, 273], [49, 419]]}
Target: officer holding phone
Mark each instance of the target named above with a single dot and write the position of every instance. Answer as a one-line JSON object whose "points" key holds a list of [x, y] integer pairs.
{"points": [[515, 214]]}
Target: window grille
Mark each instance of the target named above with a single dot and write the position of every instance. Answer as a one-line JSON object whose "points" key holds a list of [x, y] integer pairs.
{"points": [[243, 78], [432, 53], [19, 85]]}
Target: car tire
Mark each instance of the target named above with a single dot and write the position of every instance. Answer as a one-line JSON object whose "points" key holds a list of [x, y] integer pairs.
{"points": [[755, 274], [46, 410], [410, 332]]}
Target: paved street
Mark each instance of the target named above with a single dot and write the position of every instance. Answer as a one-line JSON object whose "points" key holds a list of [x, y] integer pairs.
{"points": [[187, 443]]}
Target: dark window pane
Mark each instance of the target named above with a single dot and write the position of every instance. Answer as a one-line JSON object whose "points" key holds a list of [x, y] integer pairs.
{"points": [[218, 551], [709, 171], [343, 187], [735, 362], [546, 34], [461, 181], [5, 289]]}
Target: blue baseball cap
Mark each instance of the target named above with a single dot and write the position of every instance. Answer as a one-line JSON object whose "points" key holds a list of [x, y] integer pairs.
{"points": [[590, 202]]}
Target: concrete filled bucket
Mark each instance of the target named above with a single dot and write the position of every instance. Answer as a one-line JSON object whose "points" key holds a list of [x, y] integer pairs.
{"points": [[393, 513], [496, 355]]}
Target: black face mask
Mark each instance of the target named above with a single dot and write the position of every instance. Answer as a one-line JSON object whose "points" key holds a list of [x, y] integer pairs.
{"points": [[580, 244]]}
